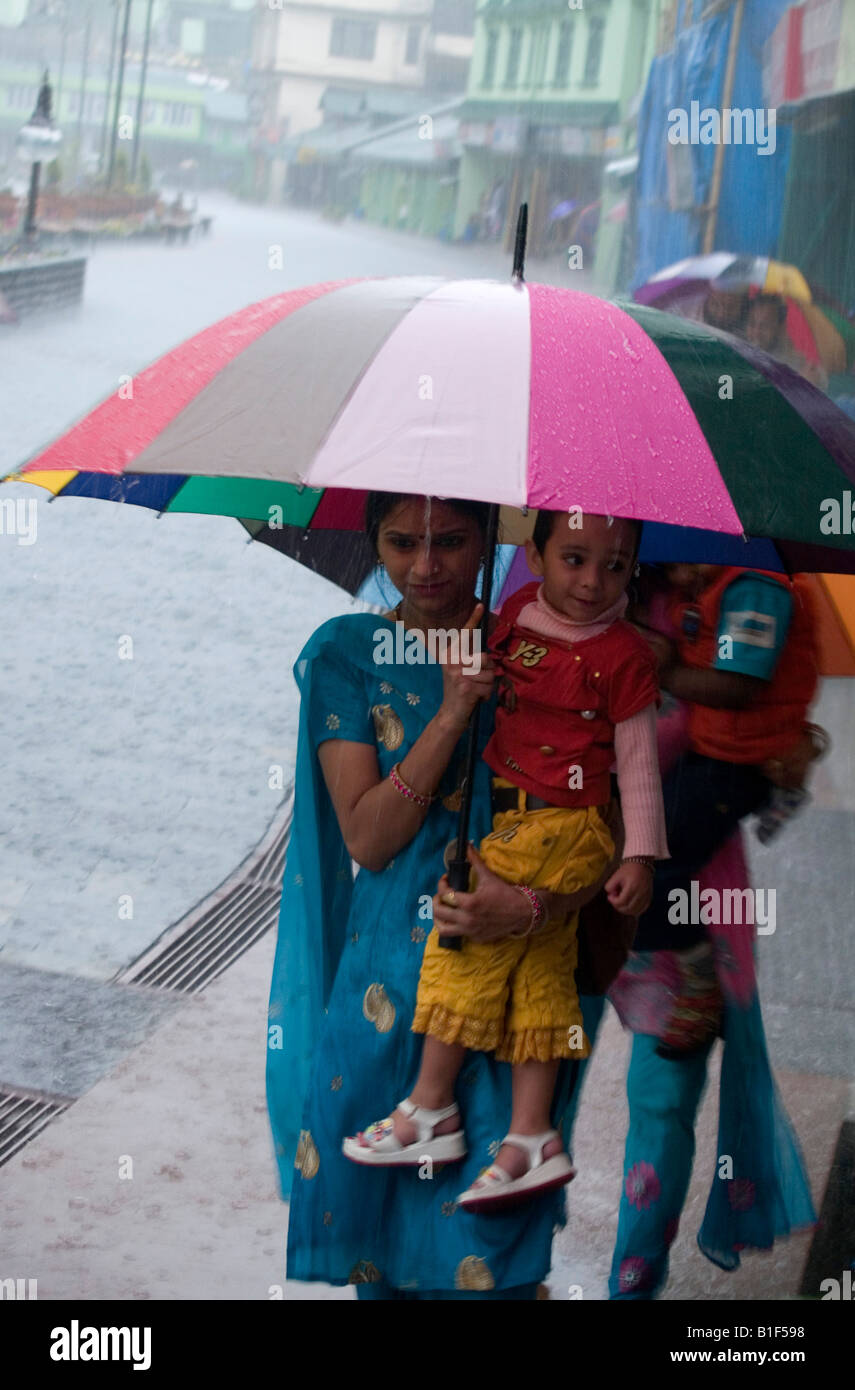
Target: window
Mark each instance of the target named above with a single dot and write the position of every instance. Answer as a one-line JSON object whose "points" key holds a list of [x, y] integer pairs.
{"points": [[596, 28], [352, 38], [177, 113], [561, 76], [414, 34], [489, 77], [21, 97], [512, 71]]}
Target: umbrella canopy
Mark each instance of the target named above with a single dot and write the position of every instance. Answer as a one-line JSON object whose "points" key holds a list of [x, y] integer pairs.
{"points": [[834, 605], [522, 394], [728, 271], [816, 326]]}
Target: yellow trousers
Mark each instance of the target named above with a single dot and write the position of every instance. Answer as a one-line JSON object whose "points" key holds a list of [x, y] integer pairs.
{"points": [[517, 996]]}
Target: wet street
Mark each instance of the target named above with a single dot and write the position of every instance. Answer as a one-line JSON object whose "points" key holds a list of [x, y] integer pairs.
{"points": [[148, 779]]}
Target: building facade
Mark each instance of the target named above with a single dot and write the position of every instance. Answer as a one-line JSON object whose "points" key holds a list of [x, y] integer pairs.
{"points": [[185, 129], [548, 89], [332, 70]]}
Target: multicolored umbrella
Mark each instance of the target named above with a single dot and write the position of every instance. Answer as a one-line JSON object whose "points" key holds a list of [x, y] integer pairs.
{"points": [[523, 394], [729, 271], [817, 327]]}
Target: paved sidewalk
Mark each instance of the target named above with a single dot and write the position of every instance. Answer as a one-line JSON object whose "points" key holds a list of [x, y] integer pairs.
{"points": [[200, 1218]]}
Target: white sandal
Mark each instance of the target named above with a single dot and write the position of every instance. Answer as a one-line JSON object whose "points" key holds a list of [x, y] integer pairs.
{"points": [[496, 1188], [379, 1145]]}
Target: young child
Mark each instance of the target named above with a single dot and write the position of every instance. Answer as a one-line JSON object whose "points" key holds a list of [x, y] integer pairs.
{"points": [[765, 327], [746, 664], [577, 692], [752, 612]]}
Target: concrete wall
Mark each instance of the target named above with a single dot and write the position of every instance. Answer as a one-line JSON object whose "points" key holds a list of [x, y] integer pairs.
{"points": [[304, 42], [387, 190], [42, 285]]}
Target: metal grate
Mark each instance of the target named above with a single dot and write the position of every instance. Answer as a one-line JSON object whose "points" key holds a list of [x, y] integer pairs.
{"points": [[196, 950], [187, 957], [22, 1117]]}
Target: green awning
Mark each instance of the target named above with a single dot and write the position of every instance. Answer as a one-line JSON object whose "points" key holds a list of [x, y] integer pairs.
{"points": [[589, 113]]}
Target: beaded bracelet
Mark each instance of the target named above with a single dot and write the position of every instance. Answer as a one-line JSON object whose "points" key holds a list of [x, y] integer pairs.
{"points": [[406, 790], [538, 911]]}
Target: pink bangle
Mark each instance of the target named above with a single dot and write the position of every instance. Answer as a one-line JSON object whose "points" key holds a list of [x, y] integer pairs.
{"points": [[406, 790], [538, 911]]}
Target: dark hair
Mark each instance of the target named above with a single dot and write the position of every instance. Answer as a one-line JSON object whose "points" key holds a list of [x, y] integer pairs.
{"points": [[778, 303], [545, 525], [736, 319], [378, 505]]}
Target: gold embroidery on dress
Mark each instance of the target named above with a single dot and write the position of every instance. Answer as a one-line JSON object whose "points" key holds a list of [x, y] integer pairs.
{"points": [[387, 726], [335, 1084], [307, 1160], [529, 653], [378, 1008], [417, 934], [473, 1273], [333, 721], [454, 800], [364, 1272]]}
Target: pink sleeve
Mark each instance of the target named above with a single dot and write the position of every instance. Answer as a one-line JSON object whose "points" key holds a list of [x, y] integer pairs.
{"points": [[640, 785]]}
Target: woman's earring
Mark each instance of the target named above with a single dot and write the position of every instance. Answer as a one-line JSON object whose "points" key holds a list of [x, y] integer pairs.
{"points": [[637, 572]]}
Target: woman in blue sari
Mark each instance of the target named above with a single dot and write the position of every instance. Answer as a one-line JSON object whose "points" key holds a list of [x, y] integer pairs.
{"points": [[349, 951]]}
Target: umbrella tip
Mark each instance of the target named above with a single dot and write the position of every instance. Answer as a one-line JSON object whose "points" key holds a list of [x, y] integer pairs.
{"points": [[519, 242]]}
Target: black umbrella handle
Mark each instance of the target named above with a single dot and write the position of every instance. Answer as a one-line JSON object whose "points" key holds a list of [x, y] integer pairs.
{"points": [[458, 868]]}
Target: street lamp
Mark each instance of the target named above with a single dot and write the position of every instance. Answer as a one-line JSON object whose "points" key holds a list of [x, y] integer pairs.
{"points": [[38, 139]]}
